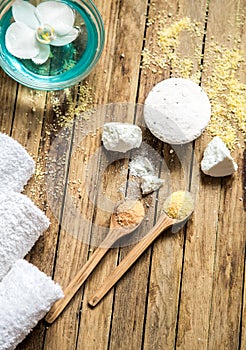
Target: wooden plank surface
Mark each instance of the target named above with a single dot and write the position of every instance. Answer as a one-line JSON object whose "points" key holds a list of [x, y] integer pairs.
{"points": [[165, 281], [230, 240], [187, 291]]}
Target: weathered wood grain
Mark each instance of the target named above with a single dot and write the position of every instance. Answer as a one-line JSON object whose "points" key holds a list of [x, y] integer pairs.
{"points": [[226, 303], [8, 102], [111, 35], [166, 268], [123, 88], [242, 335], [71, 246], [204, 318], [188, 290], [131, 291]]}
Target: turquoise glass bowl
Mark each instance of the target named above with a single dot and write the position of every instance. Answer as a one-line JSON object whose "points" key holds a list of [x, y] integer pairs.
{"points": [[69, 64]]}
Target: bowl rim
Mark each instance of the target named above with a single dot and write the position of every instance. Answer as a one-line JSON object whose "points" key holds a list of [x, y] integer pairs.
{"points": [[33, 83]]}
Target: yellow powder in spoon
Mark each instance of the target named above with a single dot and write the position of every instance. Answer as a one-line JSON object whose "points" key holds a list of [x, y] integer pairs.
{"points": [[130, 213], [179, 205]]}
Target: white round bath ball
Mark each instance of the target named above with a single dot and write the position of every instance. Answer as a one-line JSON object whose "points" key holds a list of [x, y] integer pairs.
{"points": [[177, 110]]}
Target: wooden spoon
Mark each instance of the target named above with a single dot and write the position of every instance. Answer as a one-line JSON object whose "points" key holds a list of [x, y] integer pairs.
{"points": [[127, 216], [164, 222]]}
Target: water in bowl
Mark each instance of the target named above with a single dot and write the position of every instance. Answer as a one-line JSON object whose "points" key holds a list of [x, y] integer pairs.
{"points": [[65, 62]]}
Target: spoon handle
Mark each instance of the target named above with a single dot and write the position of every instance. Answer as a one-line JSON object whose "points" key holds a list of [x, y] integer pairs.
{"points": [[163, 223], [81, 277]]}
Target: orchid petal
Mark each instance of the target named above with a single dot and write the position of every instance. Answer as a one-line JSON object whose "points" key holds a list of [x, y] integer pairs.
{"points": [[61, 29], [53, 12], [43, 55], [61, 40], [21, 41], [24, 12]]}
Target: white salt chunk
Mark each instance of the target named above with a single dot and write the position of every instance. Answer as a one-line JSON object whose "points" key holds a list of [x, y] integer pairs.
{"points": [[217, 160], [150, 183], [141, 166], [121, 137], [177, 111]]}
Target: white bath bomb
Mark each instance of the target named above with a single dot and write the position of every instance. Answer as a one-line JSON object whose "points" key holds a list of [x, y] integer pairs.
{"points": [[121, 137], [177, 111], [217, 160]]}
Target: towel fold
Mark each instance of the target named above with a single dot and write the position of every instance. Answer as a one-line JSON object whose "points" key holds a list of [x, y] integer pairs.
{"points": [[26, 295], [21, 224], [16, 165]]}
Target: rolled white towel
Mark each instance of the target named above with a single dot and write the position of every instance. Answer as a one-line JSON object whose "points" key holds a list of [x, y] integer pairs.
{"points": [[21, 224], [16, 165], [26, 295]]}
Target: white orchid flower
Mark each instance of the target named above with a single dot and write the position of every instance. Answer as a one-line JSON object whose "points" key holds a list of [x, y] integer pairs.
{"points": [[36, 28]]}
